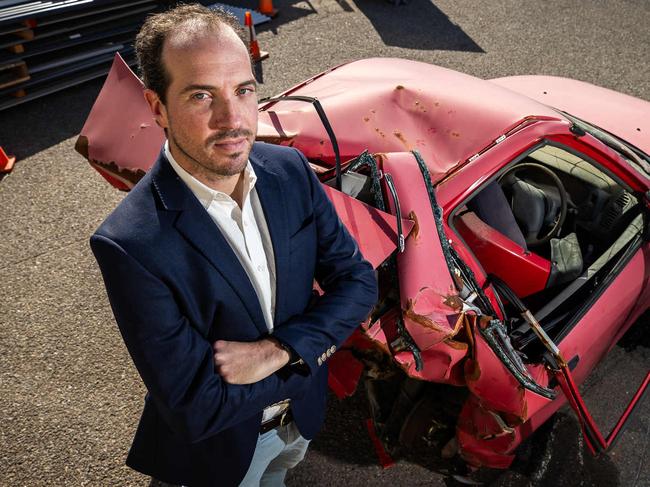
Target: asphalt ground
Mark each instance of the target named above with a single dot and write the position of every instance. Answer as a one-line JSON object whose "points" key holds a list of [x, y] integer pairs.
{"points": [[69, 396]]}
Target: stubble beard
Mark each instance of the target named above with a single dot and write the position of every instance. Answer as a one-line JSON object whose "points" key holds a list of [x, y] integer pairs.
{"points": [[215, 169]]}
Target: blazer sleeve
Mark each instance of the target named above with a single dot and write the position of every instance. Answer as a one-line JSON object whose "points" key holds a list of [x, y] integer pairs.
{"points": [[174, 360], [348, 282]]}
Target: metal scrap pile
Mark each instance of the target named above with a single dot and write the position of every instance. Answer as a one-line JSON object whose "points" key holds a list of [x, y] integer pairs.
{"points": [[46, 46]]}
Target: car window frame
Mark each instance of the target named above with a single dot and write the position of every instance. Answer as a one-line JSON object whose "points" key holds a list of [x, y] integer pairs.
{"points": [[559, 140]]}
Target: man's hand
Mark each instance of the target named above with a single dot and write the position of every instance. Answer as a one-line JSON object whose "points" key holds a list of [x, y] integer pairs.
{"points": [[248, 362]]}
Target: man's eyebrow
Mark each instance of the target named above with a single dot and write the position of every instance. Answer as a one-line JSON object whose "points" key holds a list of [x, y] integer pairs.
{"points": [[197, 87], [251, 81]]}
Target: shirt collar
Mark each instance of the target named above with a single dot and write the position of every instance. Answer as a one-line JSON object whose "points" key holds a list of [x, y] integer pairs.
{"points": [[204, 193]]}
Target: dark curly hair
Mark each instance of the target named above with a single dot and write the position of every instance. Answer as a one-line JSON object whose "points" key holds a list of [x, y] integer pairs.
{"points": [[191, 20]]}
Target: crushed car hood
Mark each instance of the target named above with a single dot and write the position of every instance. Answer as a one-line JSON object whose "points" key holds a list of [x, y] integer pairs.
{"points": [[394, 105], [622, 115]]}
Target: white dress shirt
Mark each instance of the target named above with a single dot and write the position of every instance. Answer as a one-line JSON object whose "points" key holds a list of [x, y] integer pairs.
{"points": [[245, 230]]}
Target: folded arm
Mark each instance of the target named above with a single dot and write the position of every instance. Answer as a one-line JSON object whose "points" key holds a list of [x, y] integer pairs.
{"points": [[348, 282], [248, 362], [174, 360]]}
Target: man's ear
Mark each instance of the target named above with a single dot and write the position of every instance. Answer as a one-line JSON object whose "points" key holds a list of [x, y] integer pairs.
{"points": [[157, 107]]}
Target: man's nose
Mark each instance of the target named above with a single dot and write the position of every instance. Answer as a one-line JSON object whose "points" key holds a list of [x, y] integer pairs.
{"points": [[225, 115]]}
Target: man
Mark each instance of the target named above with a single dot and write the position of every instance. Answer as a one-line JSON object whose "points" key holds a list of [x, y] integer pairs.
{"points": [[209, 263]]}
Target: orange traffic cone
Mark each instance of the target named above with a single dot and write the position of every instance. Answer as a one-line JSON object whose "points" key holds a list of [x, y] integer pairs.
{"points": [[254, 46], [266, 8], [6, 162]]}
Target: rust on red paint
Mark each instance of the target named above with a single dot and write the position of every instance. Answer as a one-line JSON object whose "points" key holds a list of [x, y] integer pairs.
{"points": [[416, 226], [380, 157], [503, 430], [128, 177], [454, 302], [496, 386], [421, 319], [469, 333], [456, 345], [275, 139], [402, 139], [81, 146], [419, 107], [392, 106]]}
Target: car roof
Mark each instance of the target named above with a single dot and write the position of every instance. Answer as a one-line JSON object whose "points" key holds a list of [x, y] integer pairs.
{"points": [[393, 105], [623, 115]]}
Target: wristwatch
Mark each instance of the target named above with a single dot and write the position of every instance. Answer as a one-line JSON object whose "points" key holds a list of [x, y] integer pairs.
{"points": [[294, 358]]}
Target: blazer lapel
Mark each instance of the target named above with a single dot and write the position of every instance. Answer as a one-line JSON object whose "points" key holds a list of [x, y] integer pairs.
{"points": [[271, 194], [195, 224]]}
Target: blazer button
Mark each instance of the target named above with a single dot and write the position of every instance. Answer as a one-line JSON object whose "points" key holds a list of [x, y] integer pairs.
{"points": [[323, 357], [320, 362], [333, 348]]}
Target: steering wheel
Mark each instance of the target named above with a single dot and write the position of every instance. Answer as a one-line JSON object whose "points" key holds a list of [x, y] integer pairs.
{"points": [[532, 207]]}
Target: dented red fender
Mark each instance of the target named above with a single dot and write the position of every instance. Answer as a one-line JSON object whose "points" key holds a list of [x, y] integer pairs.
{"points": [[120, 138]]}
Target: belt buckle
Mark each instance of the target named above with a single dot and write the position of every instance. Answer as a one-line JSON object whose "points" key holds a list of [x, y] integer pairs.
{"points": [[283, 418]]}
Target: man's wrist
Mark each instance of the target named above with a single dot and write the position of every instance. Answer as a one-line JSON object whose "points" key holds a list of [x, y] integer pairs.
{"points": [[279, 352], [294, 358]]}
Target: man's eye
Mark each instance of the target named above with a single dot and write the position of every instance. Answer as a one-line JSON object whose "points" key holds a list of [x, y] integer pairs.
{"points": [[200, 96], [244, 91]]}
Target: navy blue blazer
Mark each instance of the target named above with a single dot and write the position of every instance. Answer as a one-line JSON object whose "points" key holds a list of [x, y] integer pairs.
{"points": [[175, 286]]}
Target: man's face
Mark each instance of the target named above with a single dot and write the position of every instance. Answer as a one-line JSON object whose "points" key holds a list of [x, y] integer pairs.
{"points": [[211, 109]]}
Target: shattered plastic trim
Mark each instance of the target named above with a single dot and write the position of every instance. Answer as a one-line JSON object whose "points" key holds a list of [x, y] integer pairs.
{"points": [[493, 334], [406, 342], [365, 159]]}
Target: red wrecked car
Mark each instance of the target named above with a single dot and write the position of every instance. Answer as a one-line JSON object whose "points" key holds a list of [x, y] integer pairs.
{"points": [[507, 220]]}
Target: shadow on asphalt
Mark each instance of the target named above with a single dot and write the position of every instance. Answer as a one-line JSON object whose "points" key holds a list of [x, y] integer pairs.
{"points": [[38, 124], [419, 24], [416, 25], [344, 435], [288, 11]]}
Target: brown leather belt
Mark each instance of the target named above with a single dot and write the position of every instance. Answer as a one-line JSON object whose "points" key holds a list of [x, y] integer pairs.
{"points": [[280, 420]]}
